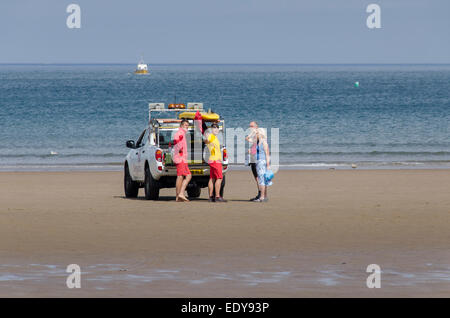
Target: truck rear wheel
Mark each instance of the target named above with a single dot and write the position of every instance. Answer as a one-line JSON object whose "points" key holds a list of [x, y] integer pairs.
{"points": [[131, 187], [150, 185], [194, 192]]}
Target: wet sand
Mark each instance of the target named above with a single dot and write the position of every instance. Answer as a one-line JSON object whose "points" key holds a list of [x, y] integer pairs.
{"points": [[315, 237]]}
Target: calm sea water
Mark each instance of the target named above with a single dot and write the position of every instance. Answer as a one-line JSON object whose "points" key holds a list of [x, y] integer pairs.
{"points": [[399, 116]]}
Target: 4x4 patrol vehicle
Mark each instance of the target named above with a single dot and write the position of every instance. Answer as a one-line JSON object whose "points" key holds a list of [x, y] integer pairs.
{"points": [[149, 163]]}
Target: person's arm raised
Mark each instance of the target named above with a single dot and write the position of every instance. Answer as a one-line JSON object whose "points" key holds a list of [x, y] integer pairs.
{"points": [[207, 138]]}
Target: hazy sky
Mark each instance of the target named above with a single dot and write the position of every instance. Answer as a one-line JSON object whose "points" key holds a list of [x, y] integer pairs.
{"points": [[225, 31]]}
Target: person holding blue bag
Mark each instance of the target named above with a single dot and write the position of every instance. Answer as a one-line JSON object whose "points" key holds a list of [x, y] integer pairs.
{"points": [[263, 170]]}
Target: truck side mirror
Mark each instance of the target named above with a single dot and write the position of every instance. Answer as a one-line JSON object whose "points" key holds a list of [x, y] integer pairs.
{"points": [[130, 144]]}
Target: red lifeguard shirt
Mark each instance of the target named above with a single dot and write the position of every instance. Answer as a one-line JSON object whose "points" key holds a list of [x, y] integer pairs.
{"points": [[180, 147]]}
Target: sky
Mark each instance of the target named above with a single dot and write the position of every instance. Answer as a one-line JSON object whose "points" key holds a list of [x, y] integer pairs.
{"points": [[225, 31]]}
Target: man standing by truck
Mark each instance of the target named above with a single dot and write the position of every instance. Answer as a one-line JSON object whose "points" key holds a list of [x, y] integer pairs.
{"points": [[252, 154], [180, 155], [215, 164]]}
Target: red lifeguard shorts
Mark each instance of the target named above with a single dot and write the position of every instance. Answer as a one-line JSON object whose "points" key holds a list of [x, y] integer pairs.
{"points": [[215, 170], [183, 169]]}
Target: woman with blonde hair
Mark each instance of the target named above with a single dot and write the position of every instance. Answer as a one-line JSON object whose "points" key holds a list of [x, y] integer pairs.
{"points": [[262, 164]]}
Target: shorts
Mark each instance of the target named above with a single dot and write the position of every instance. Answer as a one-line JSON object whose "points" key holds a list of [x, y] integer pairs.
{"points": [[183, 169], [215, 170], [253, 166]]}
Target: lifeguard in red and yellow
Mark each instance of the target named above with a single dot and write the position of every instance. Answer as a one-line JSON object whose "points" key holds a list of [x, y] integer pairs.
{"points": [[215, 164]]}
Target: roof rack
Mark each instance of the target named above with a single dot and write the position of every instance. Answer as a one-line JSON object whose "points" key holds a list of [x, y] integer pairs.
{"points": [[160, 107]]}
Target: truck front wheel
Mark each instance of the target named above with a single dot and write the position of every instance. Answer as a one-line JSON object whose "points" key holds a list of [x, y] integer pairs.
{"points": [[131, 187], [150, 185]]}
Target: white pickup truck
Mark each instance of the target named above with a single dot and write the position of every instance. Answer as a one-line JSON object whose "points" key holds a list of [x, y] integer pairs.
{"points": [[149, 162]]}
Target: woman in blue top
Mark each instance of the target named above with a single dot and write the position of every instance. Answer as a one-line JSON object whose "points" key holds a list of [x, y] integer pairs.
{"points": [[262, 164]]}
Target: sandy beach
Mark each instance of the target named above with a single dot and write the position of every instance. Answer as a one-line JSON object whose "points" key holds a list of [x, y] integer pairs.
{"points": [[315, 237]]}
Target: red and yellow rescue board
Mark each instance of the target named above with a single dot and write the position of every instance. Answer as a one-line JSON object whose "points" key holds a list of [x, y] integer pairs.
{"points": [[205, 116]]}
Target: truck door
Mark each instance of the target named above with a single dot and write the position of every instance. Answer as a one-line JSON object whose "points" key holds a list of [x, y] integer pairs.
{"points": [[135, 159], [141, 155]]}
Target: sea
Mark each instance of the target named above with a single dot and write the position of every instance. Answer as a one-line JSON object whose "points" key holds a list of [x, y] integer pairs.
{"points": [[79, 117]]}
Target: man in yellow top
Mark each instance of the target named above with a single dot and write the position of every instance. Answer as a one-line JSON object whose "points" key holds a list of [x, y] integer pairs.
{"points": [[215, 164]]}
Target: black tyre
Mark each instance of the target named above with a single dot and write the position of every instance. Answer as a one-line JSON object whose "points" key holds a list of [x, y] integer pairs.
{"points": [[194, 192], [151, 186], [222, 187], [131, 187]]}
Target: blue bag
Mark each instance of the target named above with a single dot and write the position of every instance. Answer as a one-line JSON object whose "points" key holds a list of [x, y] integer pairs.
{"points": [[268, 175]]}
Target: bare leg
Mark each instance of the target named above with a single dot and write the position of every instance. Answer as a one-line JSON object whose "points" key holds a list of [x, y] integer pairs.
{"points": [[184, 186], [263, 192], [218, 183], [178, 185], [211, 187]]}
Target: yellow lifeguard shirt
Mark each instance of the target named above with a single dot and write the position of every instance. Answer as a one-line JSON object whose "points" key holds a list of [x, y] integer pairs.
{"points": [[214, 148]]}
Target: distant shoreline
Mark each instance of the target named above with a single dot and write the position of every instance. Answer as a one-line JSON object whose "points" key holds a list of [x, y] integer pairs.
{"points": [[297, 167]]}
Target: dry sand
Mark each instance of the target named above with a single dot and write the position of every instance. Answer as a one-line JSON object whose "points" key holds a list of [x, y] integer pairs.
{"points": [[315, 237]]}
